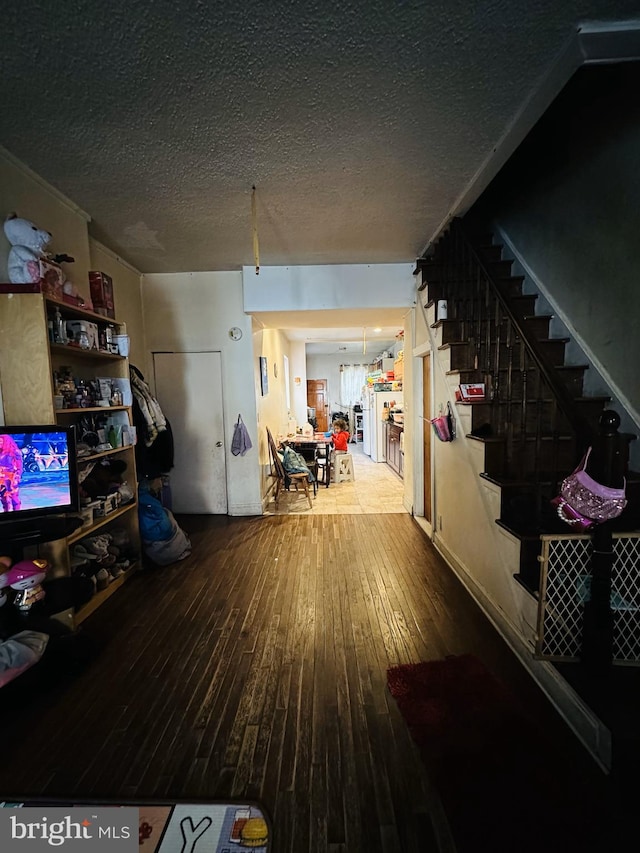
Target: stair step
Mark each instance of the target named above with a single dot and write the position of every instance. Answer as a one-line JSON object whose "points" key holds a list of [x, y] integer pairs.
{"points": [[532, 529], [538, 324], [543, 415], [525, 303], [506, 483], [531, 457], [491, 252], [451, 330], [553, 348], [440, 288], [526, 583], [460, 354], [571, 375], [500, 269], [482, 239]]}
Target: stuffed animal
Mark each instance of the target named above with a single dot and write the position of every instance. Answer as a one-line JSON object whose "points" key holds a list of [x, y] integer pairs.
{"points": [[27, 251]]}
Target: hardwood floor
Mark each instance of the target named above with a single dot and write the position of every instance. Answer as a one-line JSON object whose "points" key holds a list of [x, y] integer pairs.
{"points": [[257, 668]]}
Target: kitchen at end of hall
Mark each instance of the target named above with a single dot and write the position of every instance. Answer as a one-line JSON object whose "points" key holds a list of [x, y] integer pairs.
{"points": [[375, 420]]}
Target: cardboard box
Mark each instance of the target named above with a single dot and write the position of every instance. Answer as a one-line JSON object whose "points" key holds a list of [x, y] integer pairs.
{"points": [[51, 279], [101, 288], [78, 301], [75, 327]]}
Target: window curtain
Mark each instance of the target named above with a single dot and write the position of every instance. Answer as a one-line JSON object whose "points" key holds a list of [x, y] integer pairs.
{"points": [[352, 378]]}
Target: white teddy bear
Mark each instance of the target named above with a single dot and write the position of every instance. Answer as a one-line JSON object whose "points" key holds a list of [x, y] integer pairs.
{"points": [[27, 245], [26, 257]]}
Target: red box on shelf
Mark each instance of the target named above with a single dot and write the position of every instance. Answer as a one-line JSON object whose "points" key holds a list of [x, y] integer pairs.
{"points": [[101, 288], [472, 391]]}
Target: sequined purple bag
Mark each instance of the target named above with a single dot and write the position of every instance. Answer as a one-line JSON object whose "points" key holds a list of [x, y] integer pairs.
{"points": [[583, 502]]}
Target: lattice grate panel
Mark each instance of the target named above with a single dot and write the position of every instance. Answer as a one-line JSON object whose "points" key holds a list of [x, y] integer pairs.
{"points": [[566, 585]]}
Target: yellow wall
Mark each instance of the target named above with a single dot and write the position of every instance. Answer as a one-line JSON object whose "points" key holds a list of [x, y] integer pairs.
{"points": [[127, 298], [272, 407], [26, 194], [194, 312]]}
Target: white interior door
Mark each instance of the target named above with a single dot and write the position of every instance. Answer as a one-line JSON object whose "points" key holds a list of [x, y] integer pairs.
{"points": [[189, 390]]}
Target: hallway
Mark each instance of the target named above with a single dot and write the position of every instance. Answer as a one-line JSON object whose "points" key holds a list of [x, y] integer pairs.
{"points": [[257, 669], [375, 489]]}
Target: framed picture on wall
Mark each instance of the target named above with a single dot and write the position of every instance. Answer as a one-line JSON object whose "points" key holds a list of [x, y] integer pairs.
{"points": [[264, 376], [287, 391]]}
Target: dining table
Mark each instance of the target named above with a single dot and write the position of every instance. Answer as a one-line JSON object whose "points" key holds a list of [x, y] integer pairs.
{"points": [[312, 443]]}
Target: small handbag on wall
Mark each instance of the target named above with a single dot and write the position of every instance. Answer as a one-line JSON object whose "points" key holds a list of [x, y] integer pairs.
{"points": [[583, 502], [444, 425]]}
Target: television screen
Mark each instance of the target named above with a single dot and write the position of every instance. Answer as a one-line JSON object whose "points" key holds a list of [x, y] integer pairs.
{"points": [[37, 471]]}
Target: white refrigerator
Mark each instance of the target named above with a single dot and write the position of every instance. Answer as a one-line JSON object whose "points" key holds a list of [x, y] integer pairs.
{"points": [[366, 421], [373, 437]]}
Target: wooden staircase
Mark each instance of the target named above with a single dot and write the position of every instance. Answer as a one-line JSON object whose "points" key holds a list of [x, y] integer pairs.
{"points": [[536, 420]]}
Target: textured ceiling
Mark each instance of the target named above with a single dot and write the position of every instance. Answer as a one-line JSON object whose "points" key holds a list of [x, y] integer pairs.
{"points": [[361, 122]]}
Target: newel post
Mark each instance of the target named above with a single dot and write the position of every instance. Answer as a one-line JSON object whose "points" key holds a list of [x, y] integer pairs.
{"points": [[607, 465]]}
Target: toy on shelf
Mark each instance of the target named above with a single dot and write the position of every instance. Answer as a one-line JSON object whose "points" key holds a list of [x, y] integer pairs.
{"points": [[28, 263]]}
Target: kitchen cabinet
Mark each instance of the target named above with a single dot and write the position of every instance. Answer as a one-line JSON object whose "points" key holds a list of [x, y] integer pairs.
{"points": [[384, 364], [395, 457], [29, 360], [398, 367]]}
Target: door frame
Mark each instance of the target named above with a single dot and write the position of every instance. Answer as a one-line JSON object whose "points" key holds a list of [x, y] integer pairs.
{"points": [[326, 392], [419, 467]]}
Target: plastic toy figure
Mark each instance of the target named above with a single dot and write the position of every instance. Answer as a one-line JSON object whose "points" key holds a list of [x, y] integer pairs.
{"points": [[26, 577]]}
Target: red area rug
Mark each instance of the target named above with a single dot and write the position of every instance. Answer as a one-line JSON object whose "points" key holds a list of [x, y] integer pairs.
{"points": [[502, 783]]}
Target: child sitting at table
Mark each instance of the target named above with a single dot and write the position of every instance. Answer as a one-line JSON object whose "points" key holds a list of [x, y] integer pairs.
{"points": [[340, 437]]}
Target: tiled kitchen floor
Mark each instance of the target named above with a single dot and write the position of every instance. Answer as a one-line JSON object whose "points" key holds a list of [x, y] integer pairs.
{"points": [[376, 489]]}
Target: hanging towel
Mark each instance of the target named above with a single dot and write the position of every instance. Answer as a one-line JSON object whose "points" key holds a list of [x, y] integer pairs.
{"points": [[241, 441]]}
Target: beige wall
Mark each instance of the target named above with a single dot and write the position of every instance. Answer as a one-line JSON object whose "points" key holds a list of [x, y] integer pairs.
{"points": [[127, 298], [193, 312], [465, 506], [25, 193], [272, 407]]}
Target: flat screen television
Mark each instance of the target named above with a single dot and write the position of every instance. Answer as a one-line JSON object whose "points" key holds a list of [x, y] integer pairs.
{"points": [[38, 480]]}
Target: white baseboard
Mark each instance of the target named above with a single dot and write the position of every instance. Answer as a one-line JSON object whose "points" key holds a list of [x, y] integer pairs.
{"points": [[425, 525], [246, 509]]}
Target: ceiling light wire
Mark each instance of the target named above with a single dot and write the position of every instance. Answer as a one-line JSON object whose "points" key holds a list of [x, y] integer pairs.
{"points": [[254, 226]]}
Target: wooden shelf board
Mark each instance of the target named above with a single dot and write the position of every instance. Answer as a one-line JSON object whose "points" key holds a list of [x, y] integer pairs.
{"points": [[104, 453], [94, 354], [101, 596], [79, 312], [92, 409], [81, 532]]}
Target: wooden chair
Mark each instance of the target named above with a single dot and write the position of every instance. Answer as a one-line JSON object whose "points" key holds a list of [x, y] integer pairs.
{"points": [[323, 464], [308, 452], [283, 478]]}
